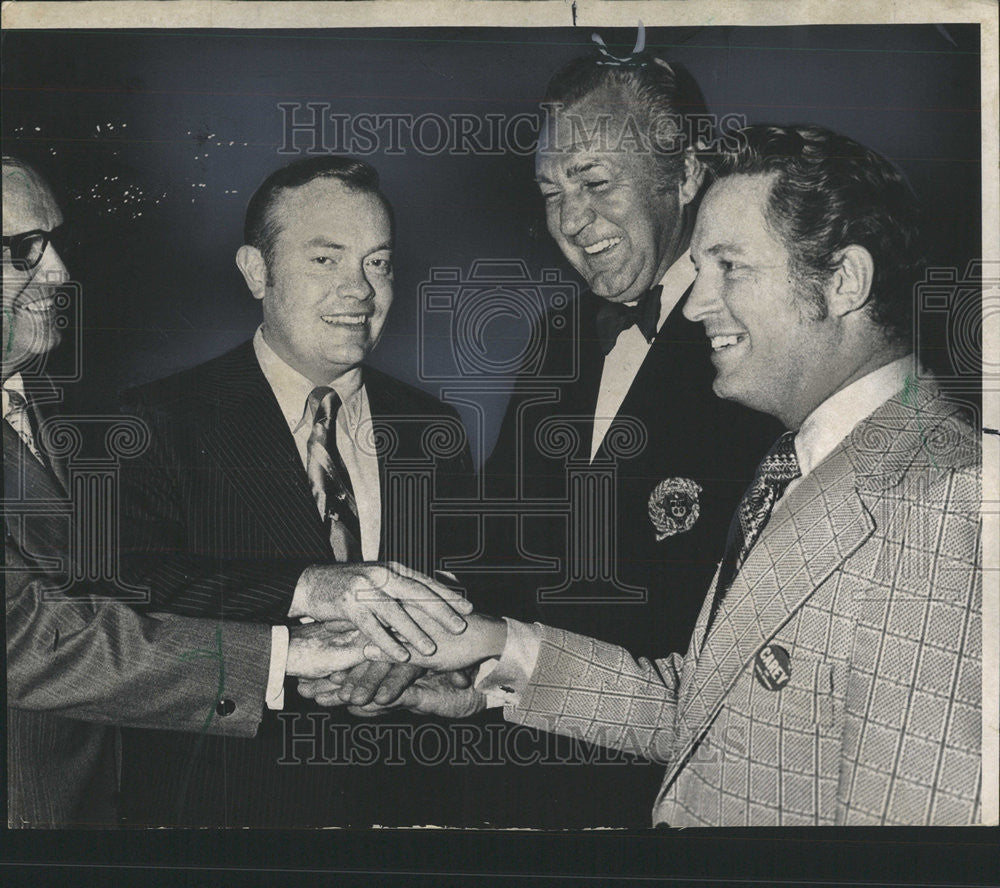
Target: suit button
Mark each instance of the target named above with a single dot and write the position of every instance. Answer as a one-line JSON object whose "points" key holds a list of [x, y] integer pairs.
{"points": [[225, 707]]}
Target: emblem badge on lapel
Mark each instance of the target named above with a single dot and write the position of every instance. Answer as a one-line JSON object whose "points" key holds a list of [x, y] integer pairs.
{"points": [[772, 667], [674, 506]]}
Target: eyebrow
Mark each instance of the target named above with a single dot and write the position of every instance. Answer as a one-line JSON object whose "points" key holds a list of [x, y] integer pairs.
{"points": [[574, 170], [323, 242], [724, 248], [583, 167]]}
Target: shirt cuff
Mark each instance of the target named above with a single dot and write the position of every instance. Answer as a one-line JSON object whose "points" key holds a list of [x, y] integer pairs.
{"points": [[298, 595], [503, 680], [275, 693]]}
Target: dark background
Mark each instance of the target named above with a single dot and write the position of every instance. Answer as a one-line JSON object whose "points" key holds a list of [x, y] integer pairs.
{"points": [[155, 141]]}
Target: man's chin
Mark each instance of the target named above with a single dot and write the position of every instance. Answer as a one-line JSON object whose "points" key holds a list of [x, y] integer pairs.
{"points": [[728, 388], [22, 354], [614, 289]]}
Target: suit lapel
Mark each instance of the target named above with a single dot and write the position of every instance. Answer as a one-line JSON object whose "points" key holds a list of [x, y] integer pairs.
{"points": [[34, 493], [382, 437], [394, 426], [252, 446], [43, 406], [811, 533], [46, 411]]}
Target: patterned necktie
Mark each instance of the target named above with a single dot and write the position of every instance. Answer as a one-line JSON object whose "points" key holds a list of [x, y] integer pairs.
{"points": [[614, 317], [328, 477], [776, 471], [20, 421]]}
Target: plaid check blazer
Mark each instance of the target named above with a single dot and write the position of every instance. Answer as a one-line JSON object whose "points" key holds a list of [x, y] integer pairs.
{"points": [[869, 576]]}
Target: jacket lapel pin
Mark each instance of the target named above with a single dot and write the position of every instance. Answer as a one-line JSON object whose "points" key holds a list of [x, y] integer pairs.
{"points": [[674, 507]]}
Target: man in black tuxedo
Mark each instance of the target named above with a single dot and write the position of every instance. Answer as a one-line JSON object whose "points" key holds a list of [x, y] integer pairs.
{"points": [[620, 176], [282, 477]]}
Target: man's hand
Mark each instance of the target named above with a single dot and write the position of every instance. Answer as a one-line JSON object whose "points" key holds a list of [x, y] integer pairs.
{"points": [[446, 694], [381, 682], [317, 649], [369, 595], [485, 637]]}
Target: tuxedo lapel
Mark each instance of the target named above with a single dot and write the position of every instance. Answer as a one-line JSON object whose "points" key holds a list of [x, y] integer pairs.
{"points": [[812, 532], [675, 368], [590, 363], [252, 446]]}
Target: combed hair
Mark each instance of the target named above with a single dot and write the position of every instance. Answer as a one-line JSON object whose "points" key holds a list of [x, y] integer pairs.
{"points": [[664, 93], [829, 192], [260, 229]]}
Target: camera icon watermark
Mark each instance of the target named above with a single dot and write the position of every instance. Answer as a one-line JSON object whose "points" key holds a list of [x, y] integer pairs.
{"points": [[951, 310], [29, 339], [496, 322]]}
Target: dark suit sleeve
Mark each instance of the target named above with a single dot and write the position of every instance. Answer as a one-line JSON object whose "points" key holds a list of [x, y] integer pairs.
{"points": [[98, 660], [157, 554]]}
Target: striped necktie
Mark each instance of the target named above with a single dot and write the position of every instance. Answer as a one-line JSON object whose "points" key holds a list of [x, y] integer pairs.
{"points": [[776, 471], [20, 421], [328, 477]]}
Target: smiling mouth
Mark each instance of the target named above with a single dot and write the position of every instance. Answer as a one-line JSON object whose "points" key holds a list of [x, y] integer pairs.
{"points": [[721, 343], [355, 320], [602, 246], [39, 306]]}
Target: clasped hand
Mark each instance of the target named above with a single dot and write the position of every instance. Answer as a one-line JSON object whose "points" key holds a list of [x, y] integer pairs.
{"points": [[445, 690], [357, 604]]}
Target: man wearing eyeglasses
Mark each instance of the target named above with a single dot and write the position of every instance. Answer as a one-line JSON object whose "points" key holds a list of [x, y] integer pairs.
{"points": [[33, 269], [78, 663]]}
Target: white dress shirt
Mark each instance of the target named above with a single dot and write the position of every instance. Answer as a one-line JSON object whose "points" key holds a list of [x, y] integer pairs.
{"points": [[355, 443], [834, 419], [14, 383], [622, 363], [830, 423]]}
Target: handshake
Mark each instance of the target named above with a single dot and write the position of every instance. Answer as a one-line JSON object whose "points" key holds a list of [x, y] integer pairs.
{"points": [[384, 636]]}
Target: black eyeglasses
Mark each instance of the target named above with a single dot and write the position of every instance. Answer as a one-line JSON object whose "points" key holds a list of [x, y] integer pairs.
{"points": [[27, 249]]}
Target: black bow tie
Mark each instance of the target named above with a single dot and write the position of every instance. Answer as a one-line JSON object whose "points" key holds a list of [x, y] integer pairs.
{"points": [[613, 317]]}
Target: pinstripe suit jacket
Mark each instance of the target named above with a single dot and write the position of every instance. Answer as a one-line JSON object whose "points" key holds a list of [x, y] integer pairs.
{"points": [[869, 575], [220, 521], [76, 665]]}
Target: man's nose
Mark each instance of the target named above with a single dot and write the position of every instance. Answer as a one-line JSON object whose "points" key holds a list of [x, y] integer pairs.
{"points": [[574, 214], [355, 285], [703, 300], [51, 268]]}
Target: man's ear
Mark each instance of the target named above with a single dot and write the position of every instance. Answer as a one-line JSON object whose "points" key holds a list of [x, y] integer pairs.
{"points": [[694, 175], [851, 283], [252, 266]]}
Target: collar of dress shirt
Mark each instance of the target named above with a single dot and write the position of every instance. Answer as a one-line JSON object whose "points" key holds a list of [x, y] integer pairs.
{"points": [[832, 421], [675, 282], [15, 384], [292, 389]]}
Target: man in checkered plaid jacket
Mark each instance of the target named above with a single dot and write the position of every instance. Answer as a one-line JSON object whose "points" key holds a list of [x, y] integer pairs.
{"points": [[834, 675]]}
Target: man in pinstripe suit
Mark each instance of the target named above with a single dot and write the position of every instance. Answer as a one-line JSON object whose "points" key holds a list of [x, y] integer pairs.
{"points": [[834, 673], [77, 661], [286, 479]]}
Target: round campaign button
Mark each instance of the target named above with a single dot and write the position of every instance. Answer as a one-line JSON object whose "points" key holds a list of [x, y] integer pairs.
{"points": [[772, 667]]}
